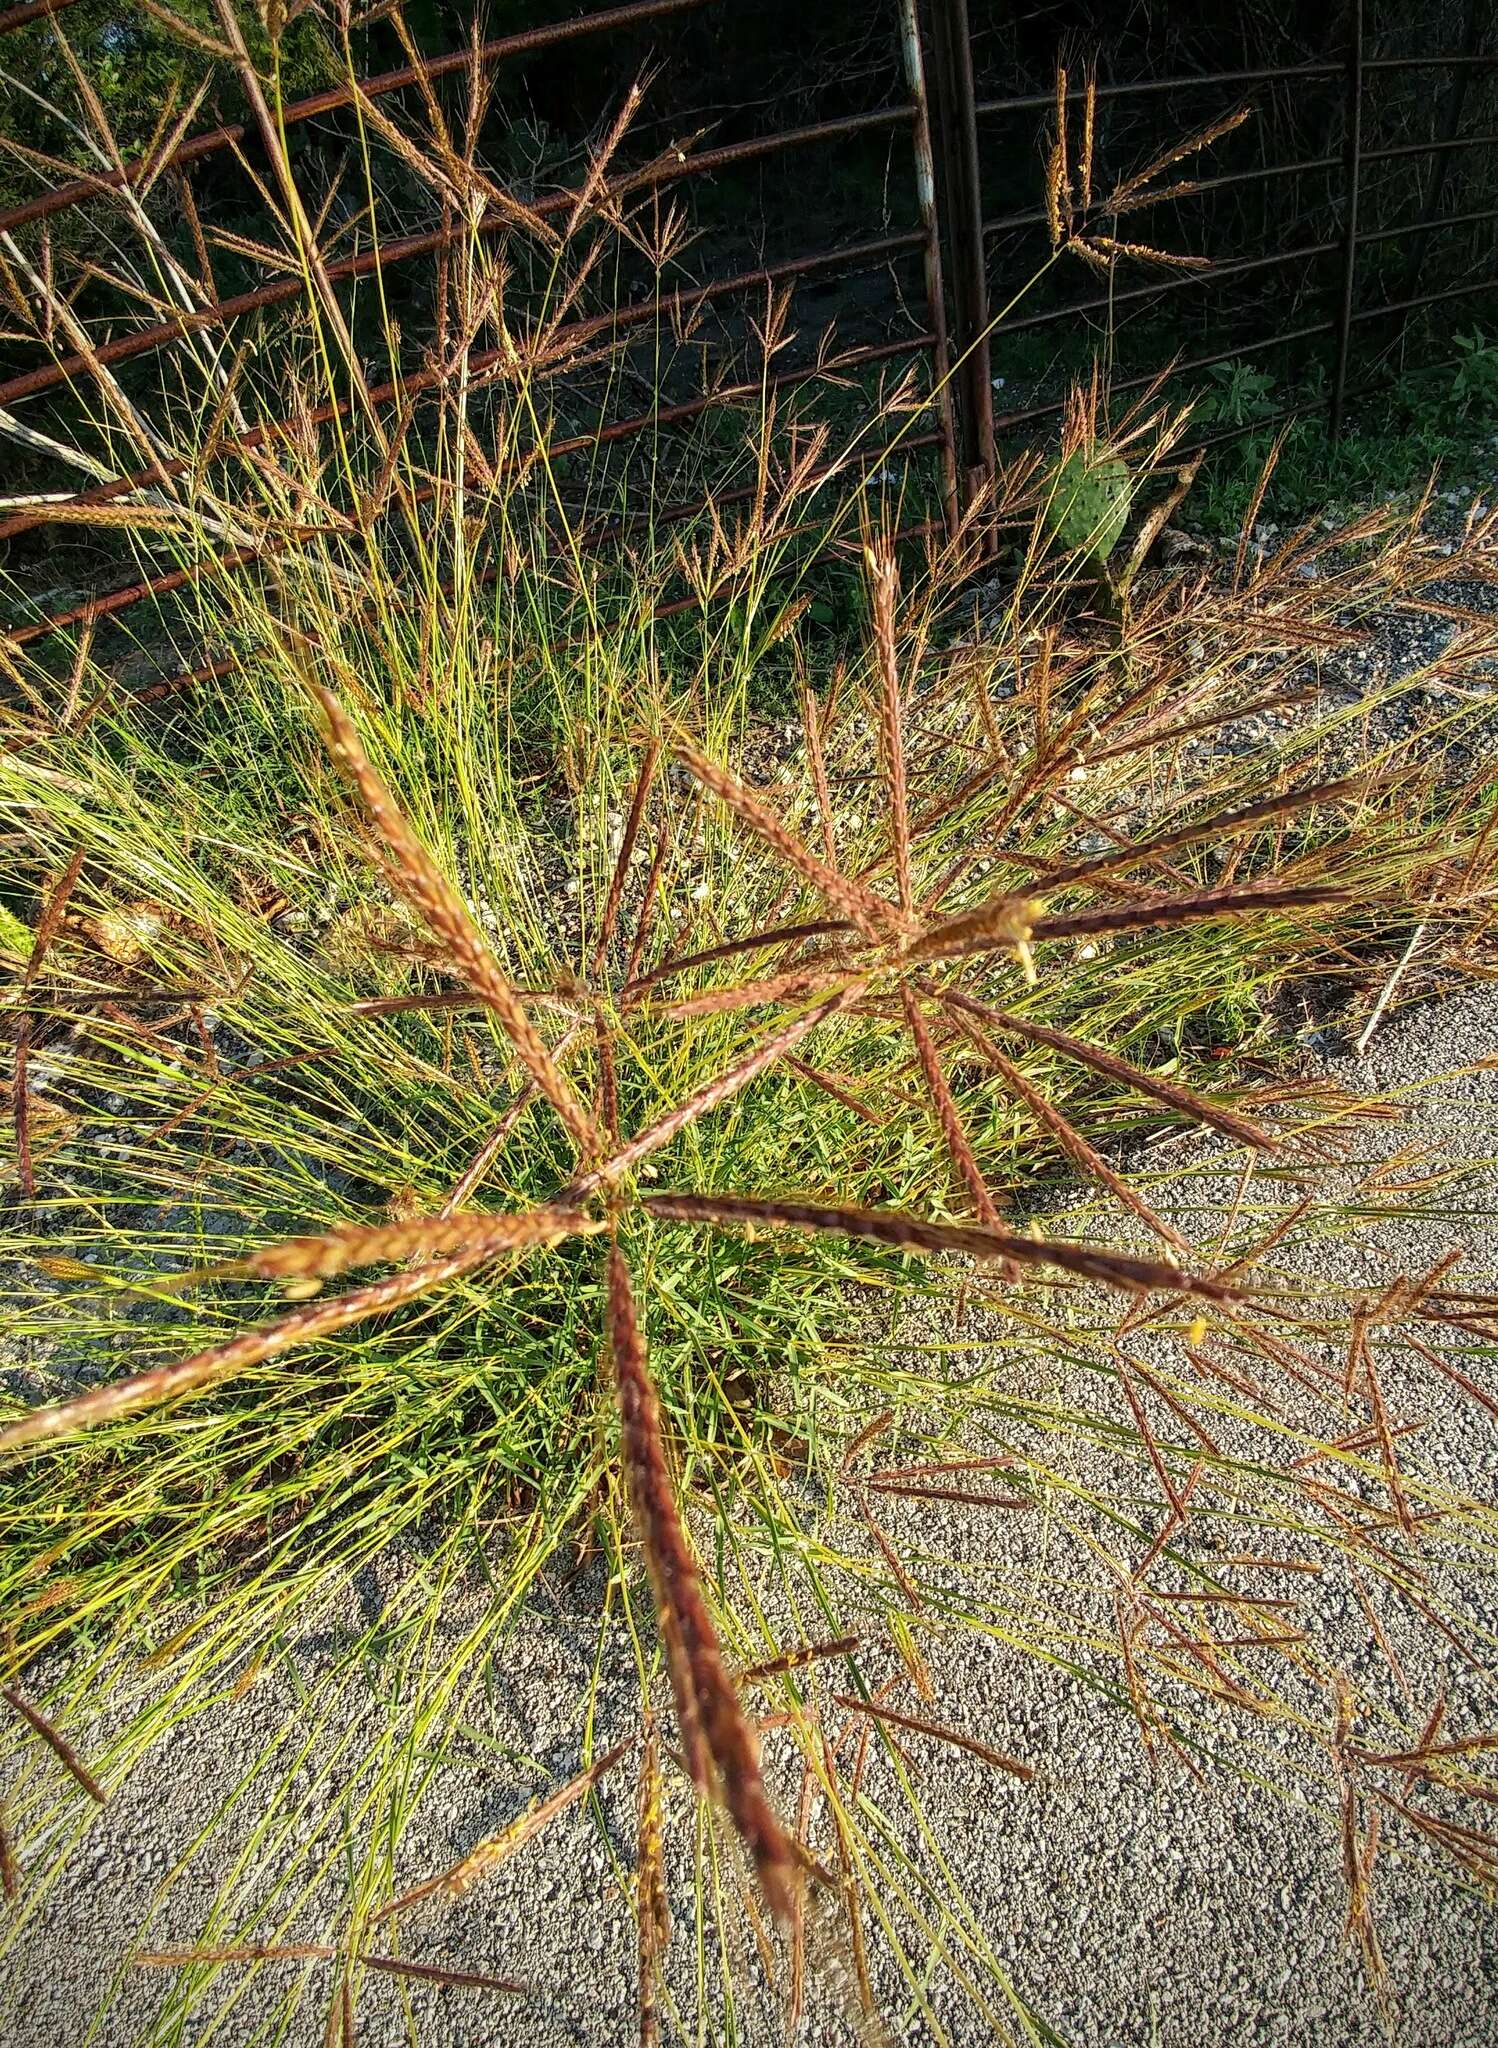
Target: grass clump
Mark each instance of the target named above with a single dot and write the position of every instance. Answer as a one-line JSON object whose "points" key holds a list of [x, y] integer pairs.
{"points": [[459, 925]]}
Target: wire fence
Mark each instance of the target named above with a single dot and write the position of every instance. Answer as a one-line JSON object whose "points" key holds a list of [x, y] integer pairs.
{"points": [[1330, 257]]}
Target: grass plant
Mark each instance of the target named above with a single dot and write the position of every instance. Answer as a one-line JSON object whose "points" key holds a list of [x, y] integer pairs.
{"points": [[472, 1074]]}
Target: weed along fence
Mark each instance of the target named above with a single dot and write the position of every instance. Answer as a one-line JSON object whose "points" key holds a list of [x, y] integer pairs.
{"points": [[595, 1184], [818, 210]]}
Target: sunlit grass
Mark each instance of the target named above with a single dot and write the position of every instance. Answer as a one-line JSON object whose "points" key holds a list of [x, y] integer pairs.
{"points": [[241, 1022]]}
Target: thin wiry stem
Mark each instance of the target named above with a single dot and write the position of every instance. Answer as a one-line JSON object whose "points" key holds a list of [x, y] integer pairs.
{"points": [[1185, 1100], [1223, 826], [778, 935], [1082, 1155], [948, 1120], [919, 1726], [56, 1741], [48, 925], [625, 854], [712, 1095], [884, 581]]}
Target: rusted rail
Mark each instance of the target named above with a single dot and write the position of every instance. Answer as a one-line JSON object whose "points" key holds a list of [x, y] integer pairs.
{"points": [[197, 148], [945, 119]]}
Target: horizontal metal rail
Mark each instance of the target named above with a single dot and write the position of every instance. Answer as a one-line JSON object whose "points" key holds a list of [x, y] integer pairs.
{"points": [[76, 193], [1106, 302], [683, 164], [1455, 62], [1428, 225], [170, 467], [1395, 152], [1162, 375], [1251, 348], [1036, 216], [33, 10], [1286, 413], [673, 515], [111, 603], [1273, 74], [144, 340], [1140, 88], [1450, 291], [209, 671]]}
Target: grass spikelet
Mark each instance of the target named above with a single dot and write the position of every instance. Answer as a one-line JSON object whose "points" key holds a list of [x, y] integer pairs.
{"points": [[1223, 826], [1003, 920], [918, 1725], [1089, 130], [799, 1658], [498, 1848], [649, 900], [884, 588], [1145, 252], [1135, 189], [625, 854], [915, 1234], [1196, 1108], [10, 1875], [652, 1907], [948, 1120], [1058, 187], [418, 878], [718, 1742], [713, 1094], [748, 995], [250, 1347], [859, 905], [57, 1742], [829, 1084], [1085, 1157], [608, 1079], [1163, 910], [777, 935], [324, 1952], [423, 1237]]}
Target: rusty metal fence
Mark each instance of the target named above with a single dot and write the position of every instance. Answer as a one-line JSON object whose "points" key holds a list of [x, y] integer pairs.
{"points": [[941, 152]]}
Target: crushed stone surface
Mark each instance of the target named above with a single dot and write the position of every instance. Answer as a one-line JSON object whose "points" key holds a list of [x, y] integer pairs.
{"points": [[1133, 1907]]}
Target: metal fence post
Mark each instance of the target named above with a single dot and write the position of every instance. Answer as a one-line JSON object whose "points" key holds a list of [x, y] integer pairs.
{"points": [[1354, 158], [1456, 106], [957, 129], [936, 297]]}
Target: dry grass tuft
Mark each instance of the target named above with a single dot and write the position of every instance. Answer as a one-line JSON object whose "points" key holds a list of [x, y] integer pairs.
{"points": [[1018, 903]]}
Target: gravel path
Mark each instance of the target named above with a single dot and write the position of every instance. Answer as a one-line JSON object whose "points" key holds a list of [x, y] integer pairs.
{"points": [[1130, 1909]]}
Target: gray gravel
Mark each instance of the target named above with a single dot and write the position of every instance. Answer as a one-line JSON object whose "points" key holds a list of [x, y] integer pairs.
{"points": [[1130, 1907]]}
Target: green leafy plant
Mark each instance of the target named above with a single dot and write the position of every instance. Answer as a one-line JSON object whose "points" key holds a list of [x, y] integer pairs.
{"points": [[1090, 502], [1237, 394], [1474, 387]]}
